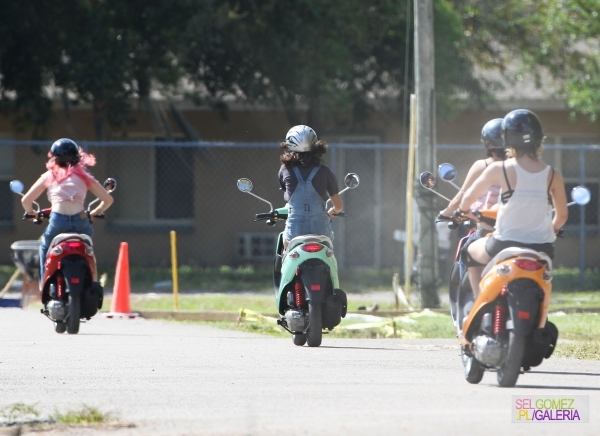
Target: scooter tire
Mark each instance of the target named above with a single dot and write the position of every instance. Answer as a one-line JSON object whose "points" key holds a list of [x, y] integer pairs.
{"points": [[60, 327], [299, 340], [509, 371], [473, 369], [314, 334], [74, 311]]}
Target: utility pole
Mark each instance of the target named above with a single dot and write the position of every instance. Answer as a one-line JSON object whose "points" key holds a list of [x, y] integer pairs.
{"points": [[425, 151]]}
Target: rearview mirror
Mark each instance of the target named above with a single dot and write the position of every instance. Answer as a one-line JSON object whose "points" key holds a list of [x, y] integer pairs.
{"points": [[351, 180], [447, 172], [244, 185], [110, 184], [580, 195], [427, 180], [17, 186]]}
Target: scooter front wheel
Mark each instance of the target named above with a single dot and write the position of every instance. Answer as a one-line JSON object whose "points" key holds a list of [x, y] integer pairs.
{"points": [[59, 327], [473, 369], [299, 340], [315, 328]]}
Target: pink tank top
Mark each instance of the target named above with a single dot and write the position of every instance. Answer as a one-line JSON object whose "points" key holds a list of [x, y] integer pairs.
{"points": [[72, 188], [488, 199]]}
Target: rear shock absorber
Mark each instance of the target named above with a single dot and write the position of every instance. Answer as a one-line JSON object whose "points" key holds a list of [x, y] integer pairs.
{"points": [[60, 286], [298, 293], [500, 319]]}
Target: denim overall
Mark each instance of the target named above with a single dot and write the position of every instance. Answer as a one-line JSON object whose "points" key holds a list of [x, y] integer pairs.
{"points": [[60, 223], [307, 214]]}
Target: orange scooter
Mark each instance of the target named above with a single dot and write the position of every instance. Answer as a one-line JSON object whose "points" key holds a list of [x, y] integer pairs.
{"points": [[505, 328]]}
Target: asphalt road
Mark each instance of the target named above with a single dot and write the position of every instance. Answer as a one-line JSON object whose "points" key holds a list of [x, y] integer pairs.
{"points": [[172, 378]]}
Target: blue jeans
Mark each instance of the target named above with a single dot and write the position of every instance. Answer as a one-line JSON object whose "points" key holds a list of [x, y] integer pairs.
{"points": [[58, 224]]}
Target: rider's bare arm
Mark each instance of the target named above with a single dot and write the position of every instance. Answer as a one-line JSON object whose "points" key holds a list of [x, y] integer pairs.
{"points": [[34, 192], [559, 199], [105, 198], [338, 205], [475, 171]]}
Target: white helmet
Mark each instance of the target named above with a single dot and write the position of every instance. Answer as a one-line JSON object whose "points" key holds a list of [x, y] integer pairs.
{"points": [[300, 138]]}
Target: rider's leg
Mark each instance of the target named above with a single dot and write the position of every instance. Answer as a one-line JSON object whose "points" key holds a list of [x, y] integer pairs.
{"points": [[478, 259]]}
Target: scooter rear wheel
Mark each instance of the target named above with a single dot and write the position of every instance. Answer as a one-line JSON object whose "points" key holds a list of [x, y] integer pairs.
{"points": [[508, 372], [315, 329], [74, 311], [299, 340]]}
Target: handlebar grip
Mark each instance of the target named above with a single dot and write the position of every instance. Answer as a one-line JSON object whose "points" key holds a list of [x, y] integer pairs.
{"points": [[452, 225], [262, 216], [100, 216], [340, 214], [560, 233], [27, 216]]}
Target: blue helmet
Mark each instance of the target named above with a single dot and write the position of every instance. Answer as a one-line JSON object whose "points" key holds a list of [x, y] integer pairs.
{"points": [[491, 136], [65, 151]]}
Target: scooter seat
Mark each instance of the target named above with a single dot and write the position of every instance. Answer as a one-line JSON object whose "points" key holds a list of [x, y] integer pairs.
{"points": [[304, 239], [507, 253], [66, 236]]}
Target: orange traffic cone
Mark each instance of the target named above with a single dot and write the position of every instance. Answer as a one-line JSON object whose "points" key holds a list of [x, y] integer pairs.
{"points": [[120, 302]]}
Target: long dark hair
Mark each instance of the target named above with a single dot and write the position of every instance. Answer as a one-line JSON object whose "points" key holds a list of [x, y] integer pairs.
{"points": [[312, 157]]}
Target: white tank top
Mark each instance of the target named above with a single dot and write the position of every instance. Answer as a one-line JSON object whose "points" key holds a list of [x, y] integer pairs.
{"points": [[527, 217]]}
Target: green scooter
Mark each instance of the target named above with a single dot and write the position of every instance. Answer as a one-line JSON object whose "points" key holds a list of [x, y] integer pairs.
{"points": [[305, 276]]}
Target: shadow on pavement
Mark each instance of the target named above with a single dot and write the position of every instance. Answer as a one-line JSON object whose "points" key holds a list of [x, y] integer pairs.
{"points": [[595, 374]]}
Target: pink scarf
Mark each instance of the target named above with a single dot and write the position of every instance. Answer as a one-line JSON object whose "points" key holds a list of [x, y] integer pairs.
{"points": [[58, 174]]}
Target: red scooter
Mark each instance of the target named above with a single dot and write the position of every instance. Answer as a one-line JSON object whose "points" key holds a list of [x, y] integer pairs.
{"points": [[69, 289]]}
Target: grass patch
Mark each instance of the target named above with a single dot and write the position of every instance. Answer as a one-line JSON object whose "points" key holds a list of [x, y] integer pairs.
{"points": [[240, 278], [578, 350], [20, 412], [574, 300], [83, 415], [577, 326]]}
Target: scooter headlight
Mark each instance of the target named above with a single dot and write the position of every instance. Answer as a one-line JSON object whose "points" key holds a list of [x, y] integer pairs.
{"points": [[503, 270]]}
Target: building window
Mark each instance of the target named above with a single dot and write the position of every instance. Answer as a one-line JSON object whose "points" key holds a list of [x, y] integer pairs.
{"points": [[156, 184], [7, 171], [256, 246]]}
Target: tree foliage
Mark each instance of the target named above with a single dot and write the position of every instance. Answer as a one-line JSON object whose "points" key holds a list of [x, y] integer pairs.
{"points": [[335, 58]]}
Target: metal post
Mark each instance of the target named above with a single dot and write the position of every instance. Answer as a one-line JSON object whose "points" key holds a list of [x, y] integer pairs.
{"points": [[410, 188], [378, 207], [582, 221], [425, 157]]}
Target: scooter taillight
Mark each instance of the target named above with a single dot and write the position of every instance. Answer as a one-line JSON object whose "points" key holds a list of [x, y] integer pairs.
{"points": [[74, 245], [312, 248], [528, 265], [298, 294], [60, 286], [500, 320]]}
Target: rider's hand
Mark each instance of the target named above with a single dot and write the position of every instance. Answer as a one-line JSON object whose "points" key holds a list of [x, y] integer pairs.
{"points": [[332, 213]]}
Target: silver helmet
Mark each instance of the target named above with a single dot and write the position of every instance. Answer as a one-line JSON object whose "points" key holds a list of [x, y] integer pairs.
{"points": [[300, 139]]}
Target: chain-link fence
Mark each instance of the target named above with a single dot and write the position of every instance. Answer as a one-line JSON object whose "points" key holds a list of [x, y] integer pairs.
{"points": [[191, 188]]}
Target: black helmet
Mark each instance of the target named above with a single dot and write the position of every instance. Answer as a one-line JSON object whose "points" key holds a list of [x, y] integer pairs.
{"points": [[65, 151], [522, 129], [491, 136]]}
